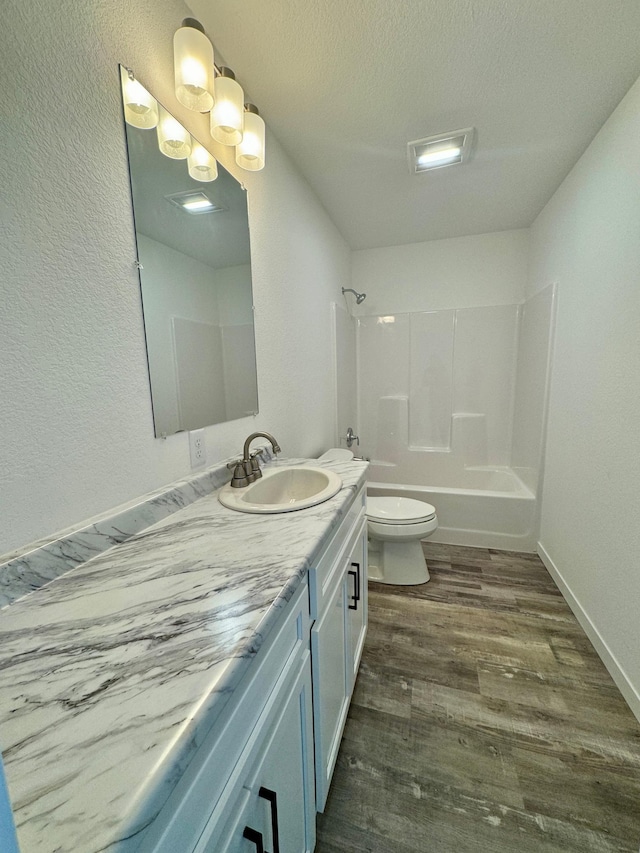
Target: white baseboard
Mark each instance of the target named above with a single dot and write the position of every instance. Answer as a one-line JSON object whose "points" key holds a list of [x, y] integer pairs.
{"points": [[618, 674]]}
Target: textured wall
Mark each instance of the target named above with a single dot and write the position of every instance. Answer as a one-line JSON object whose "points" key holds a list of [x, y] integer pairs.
{"points": [[463, 272], [586, 240], [76, 433]]}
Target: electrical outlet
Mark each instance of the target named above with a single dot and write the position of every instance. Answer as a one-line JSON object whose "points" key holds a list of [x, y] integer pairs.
{"points": [[197, 449]]}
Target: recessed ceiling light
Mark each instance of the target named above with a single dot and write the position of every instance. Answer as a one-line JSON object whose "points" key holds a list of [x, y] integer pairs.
{"points": [[445, 149], [197, 205], [436, 158], [194, 202]]}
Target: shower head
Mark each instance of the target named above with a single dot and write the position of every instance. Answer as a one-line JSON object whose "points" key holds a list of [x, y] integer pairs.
{"points": [[360, 297]]}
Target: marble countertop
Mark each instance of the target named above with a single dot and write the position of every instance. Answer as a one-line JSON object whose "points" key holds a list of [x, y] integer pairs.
{"points": [[113, 673]]}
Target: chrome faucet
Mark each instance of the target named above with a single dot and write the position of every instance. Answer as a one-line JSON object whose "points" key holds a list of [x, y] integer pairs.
{"points": [[247, 469]]}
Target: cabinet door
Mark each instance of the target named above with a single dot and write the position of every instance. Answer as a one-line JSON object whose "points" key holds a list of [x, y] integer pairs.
{"points": [[275, 810], [357, 603], [331, 680]]}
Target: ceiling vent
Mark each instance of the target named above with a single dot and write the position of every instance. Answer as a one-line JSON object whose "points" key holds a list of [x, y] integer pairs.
{"points": [[194, 202], [436, 152]]}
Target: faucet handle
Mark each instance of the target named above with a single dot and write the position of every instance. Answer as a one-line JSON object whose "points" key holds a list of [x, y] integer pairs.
{"points": [[256, 473], [239, 479], [351, 437]]}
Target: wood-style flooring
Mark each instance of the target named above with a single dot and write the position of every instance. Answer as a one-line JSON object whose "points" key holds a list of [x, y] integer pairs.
{"points": [[482, 720]]}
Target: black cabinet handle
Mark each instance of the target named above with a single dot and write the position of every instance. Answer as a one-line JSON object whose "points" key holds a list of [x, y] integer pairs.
{"points": [[254, 836], [356, 586], [357, 565], [355, 596], [272, 798]]}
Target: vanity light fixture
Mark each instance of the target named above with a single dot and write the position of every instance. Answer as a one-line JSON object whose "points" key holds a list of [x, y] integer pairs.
{"points": [[227, 115], [202, 165], [194, 202], [193, 66], [250, 152], [174, 140], [204, 87], [445, 149], [140, 107]]}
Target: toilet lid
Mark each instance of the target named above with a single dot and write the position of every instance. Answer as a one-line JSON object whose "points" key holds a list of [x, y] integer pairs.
{"points": [[392, 510]]}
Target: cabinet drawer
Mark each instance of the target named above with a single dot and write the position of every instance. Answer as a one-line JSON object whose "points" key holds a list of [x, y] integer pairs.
{"points": [[321, 575], [182, 819]]}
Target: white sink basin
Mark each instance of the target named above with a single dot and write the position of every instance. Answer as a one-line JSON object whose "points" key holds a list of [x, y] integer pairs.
{"points": [[283, 490]]}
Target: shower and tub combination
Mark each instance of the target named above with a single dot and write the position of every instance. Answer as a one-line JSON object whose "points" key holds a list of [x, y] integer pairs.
{"points": [[451, 411]]}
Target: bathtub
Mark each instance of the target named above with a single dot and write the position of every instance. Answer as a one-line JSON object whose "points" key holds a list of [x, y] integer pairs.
{"points": [[482, 507], [494, 509]]}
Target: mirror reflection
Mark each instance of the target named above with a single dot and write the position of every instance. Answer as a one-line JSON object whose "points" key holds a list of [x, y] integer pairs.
{"points": [[195, 280]]}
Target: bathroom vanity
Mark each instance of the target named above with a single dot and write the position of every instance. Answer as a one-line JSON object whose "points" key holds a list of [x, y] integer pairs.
{"points": [[187, 689]]}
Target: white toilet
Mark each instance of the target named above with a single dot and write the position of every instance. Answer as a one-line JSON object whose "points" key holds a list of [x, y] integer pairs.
{"points": [[396, 525]]}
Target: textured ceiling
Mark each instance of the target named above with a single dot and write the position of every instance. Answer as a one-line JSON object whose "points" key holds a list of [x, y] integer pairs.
{"points": [[345, 84]]}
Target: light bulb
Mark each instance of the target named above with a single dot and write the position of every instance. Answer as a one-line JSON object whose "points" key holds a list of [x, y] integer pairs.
{"points": [[250, 152], [140, 107], [193, 66], [227, 115], [431, 158], [174, 141], [202, 165]]}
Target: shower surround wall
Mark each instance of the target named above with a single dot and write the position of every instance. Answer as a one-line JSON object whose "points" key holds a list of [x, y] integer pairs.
{"points": [[436, 392], [451, 401], [345, 371]]}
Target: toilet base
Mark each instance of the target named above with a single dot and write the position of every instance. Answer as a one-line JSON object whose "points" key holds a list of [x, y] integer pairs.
{"points": [[398, 563]]}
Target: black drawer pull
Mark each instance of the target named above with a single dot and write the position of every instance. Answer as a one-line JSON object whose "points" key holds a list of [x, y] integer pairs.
{"points": [[355, 597], [357, 565], [254, 836], [272, 798], [356, 586]]}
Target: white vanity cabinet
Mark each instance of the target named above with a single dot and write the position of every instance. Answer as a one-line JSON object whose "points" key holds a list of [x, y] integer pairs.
{"points": [[255, 769], [274, 804], [264, 769], [338, 594]]}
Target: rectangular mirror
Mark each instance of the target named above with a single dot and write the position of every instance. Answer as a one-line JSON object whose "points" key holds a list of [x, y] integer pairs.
{"points": [[195, 280]]}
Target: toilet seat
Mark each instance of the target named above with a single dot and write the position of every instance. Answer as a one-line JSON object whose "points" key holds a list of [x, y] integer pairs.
{"points": [[395, 510]]}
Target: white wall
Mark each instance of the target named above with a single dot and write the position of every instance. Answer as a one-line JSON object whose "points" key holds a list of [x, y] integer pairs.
{"points": [[462, 272], [196, 299], [532, 385], [233, 285], [76, 432], [587, 239], [238, 340]]}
